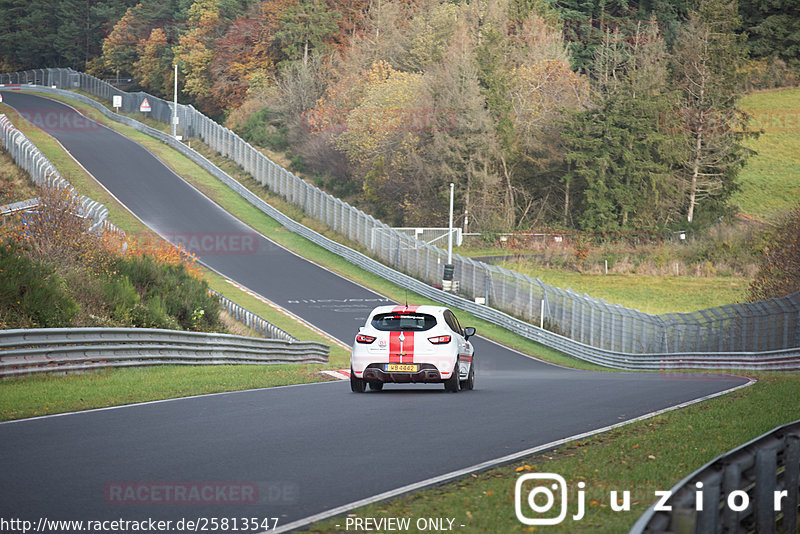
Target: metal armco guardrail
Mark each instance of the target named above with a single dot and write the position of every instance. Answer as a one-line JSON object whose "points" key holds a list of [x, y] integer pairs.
{"points": [[28, 157], [52, 350], [253, 321], [753, 488], [763, 335]]}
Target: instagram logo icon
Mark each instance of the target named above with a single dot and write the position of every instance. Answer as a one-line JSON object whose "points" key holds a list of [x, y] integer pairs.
{"points": [[541, 499]]}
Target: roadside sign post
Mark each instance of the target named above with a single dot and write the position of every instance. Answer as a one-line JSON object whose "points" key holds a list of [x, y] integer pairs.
{"points": [[144, 107], [175, 104], [117, 102]]}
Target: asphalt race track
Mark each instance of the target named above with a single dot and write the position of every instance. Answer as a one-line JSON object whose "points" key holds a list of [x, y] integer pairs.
{"points": [[296, 451]]}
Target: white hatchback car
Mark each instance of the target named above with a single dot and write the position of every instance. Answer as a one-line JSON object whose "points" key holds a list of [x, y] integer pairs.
{"points": [[405, 344]]}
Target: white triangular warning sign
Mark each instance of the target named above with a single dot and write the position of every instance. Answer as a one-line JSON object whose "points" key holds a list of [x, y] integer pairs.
{"points": [[145, 106]]}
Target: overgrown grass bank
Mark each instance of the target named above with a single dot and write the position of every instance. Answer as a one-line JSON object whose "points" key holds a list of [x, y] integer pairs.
{"points": [[15, 185]]}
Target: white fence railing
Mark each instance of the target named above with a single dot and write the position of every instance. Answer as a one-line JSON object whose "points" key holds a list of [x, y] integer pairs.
{"points": [[28, 157]]}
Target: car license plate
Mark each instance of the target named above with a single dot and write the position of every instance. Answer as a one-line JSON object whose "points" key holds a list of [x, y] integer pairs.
{"points": [[401, 368]]}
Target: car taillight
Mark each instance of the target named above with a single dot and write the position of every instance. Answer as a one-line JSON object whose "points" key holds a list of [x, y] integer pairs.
{"points": [[361, 338], [439, 340]]}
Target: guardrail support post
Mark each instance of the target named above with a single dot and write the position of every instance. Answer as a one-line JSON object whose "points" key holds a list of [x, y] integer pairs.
{"points": [[791, 482], [766, 469], [708, 518]]}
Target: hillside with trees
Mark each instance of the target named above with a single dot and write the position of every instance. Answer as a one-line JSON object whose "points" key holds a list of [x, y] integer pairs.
{"points": [[597, 116]]}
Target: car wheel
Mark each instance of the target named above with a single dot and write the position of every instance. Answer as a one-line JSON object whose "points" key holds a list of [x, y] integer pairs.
{"points": [[452, 383], [469, 383], [376, 385], [357, 385]]}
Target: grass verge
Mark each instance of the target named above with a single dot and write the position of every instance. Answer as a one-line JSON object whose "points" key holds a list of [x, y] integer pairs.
{"points": [[44, 395], [15, 185], [641, 458]]}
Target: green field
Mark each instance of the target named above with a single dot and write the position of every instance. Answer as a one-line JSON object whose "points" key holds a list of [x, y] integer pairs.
{"points": [[650, 294], [770, 182]]}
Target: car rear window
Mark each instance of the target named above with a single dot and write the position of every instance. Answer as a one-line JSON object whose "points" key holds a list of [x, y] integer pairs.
{"points": [[405, 322]]}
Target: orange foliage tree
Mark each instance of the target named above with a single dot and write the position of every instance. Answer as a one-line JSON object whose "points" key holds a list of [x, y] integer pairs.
{"points": [[195, 52], [153, 69]]}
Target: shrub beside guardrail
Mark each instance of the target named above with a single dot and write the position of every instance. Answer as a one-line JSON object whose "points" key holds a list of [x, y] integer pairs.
{"points": [[52, 350], [753, 488], [253, 321]]}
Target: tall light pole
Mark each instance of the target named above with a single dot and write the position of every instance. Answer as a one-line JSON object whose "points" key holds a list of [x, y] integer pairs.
{"points": [[450, 228], [175, 105], [447, 277]]}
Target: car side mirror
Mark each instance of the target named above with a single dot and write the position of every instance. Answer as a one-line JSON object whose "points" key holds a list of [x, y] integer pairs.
{"points": [[469, 332]]}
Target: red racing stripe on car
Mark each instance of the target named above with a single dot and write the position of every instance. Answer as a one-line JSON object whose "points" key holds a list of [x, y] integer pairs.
{"points": [[394, 347], [401, 351], [408, 348], [405, 309]]}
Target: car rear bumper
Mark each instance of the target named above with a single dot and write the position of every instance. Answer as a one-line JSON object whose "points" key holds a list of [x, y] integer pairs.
{"points": [[426, 374]]}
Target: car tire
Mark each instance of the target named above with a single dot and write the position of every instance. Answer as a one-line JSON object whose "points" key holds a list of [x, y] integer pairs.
{"points": [[376, 385], [452, 384], [469, 383], [357, 385]]}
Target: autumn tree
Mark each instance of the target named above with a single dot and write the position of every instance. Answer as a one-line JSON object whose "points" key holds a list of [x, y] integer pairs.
{"points": [[620, 157], [233, 65], [543, 88], [707, 63], [380, 132], [195, 52], [306, 27], [120, 47], [153, 69], [460, 142]]}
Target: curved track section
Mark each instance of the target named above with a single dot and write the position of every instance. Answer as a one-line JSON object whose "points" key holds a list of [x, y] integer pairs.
{"points": [[297, 451]]}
